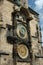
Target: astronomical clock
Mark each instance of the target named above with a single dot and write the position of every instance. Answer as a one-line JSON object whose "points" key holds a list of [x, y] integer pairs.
{"points": [[21, 33]]}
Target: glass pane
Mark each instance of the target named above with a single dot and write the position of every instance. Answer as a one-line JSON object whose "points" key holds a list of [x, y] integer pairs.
{"points": [[17, 2]]}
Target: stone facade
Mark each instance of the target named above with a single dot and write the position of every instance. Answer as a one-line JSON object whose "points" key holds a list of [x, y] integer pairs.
{"points": [[6, 9]]}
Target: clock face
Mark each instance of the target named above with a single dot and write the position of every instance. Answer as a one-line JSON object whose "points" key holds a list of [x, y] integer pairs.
{"points": [[22, 51], [21, 31]]}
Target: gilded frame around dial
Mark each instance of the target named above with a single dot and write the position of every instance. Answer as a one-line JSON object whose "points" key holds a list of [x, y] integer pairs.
{"points": [[22, 51]]}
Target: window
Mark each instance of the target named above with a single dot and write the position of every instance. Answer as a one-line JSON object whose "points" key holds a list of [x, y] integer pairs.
{"points": [[37, 30], [1, 19], [40, 31], [17, 2], [1, 2], [0, 31]]}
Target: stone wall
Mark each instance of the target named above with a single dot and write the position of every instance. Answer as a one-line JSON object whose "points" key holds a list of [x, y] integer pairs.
{"points": [[6, 9]]}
